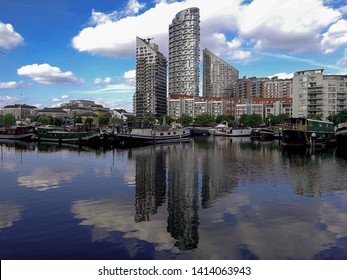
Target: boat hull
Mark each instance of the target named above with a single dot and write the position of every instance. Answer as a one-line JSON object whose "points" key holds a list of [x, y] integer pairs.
{"points": [[341, 138], [67, 137], [17, 133], [154, 137], [292, 137]]}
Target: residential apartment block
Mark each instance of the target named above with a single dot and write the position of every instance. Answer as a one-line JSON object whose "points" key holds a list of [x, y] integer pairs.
{"points": [[264, 107], [195, 105], [184, 53], [316, 93], [278, 88], [219, 77], [150, 97]]}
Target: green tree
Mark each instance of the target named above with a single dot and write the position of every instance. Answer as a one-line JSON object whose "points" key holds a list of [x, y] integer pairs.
{"points": [[252, 120], [204, 119], [314, 116], [45, 119], [340, 117], [78, 119], [57, 121], [168, 119], [131, 118], [88, 121], [104, 120], [185, 119], [8, 119], [276, 119], [149, 120]]}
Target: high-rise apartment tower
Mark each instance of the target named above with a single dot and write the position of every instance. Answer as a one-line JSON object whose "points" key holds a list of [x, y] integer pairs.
{"points": [[219, 78], [150, 98], [184, 53]]}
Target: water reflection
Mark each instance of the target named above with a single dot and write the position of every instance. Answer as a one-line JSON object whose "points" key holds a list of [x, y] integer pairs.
{"points": [[212, 198], [150, 180], [46, 178], [183, 220], [9, 213]]}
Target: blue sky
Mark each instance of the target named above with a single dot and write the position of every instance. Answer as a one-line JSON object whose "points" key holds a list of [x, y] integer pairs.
{"points": [[54, 51]]}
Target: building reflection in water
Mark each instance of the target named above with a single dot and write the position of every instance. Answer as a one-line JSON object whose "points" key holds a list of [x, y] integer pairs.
{"points": [[150, 176], [183, 220]]}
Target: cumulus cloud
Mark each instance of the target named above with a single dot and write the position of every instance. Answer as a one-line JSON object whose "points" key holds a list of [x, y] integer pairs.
{"points": [[130, 77], [8, 37], [229, 28], [335, 37], [47, 74], [11, 85]]}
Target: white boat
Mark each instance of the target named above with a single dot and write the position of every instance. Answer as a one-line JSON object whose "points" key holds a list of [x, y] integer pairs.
{"points": [[220, 130], [153, 136], [239, 132]]}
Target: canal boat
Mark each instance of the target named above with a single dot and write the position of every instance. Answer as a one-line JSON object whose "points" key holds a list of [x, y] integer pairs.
{"points": [[341, 135], [153, 136], [305, 132], [18, 132], [220, 130], [262, 134], [56, 134], [239, 132]]}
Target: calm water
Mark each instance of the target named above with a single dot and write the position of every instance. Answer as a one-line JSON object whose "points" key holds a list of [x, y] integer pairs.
{"points": [[212, 198]]}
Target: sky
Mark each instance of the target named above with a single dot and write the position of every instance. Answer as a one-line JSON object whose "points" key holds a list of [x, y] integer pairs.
{"points": [[55, 51]]}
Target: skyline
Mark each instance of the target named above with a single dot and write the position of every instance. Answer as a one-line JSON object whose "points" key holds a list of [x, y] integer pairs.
{"points": [[51, 52]]}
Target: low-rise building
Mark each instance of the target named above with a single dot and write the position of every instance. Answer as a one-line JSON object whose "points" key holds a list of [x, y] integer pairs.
{"points": [[19, 111]]}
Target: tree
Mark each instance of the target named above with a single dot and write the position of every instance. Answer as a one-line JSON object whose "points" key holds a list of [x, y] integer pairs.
{"points": [[149, 120], [57, 121], [276, 119], [168, 119], [88, 121], [314, 116], [45, 119], [185, 119], [340, 117], [104, 120], [8, 119], [78, 119], [204, 119], [252, 120]]}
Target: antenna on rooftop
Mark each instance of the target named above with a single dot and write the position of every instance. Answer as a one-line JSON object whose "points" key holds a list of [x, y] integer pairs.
{"points": [[148, 40]]}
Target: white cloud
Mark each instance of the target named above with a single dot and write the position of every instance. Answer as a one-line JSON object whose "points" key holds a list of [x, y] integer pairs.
{"points": [[11, 85], [47, 74], [55, 99], [130, 77], [8, 37], [283, 75], [8, 99], [134, 7], [231, 28], [294, 25], [335, 37], [343, 60], [64, 96]]}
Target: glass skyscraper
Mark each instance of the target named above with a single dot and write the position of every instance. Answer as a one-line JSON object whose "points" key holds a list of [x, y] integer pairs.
{"points": [[184, 53]]}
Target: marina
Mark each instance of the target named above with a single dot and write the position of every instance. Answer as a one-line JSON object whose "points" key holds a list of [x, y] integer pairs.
{"points": [[209, 198]]}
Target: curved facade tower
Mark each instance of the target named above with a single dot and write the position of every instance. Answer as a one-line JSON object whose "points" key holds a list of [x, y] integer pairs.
{"points": [[184, 53]]}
